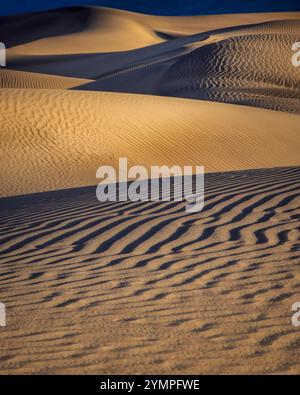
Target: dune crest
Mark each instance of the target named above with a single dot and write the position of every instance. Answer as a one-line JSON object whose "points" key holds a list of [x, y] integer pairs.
{"points": [[123, 287], [27, 80], [78, 30], [246, 64]]}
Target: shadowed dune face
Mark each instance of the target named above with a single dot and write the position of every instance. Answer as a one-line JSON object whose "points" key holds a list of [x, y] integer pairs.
{"points": [[253, 69], [92, 29], [25, 80], [57, 139], [143, 287]]}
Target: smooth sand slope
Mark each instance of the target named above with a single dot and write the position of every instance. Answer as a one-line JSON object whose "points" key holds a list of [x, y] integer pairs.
{"points": [[54, 139], [145, 288], [25, 80], [249, 64]]}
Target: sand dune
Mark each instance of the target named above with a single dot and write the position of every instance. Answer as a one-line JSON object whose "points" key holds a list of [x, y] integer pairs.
{"points": [[75, 30], [64, 136], [131, 287], [145, 288], [247, 64], [186, 25], [21, 79], [94, 29], [251, 67]]}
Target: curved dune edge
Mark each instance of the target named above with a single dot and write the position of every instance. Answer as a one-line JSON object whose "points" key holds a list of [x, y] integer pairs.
{"points": [[27, 80], [64, 136]]}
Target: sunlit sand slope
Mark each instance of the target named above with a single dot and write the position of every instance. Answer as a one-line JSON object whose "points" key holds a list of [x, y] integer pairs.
{"points": [[145, 288], [57, 139], [250, 66], [21, 79]]}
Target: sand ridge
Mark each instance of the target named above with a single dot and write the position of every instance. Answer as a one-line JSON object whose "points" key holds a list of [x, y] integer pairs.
{"points": [[76, 30]]}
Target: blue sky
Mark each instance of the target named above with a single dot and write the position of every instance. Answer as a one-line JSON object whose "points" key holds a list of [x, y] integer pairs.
{"points": [[160, 7]]}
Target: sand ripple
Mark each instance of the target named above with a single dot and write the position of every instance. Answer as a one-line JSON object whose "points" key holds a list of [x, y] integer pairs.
{"points": [[53, 139]]}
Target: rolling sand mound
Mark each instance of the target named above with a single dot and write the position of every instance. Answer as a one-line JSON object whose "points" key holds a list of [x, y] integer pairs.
{"points": [[251, 67], [144, 288], [21, 79], [64, 136], [74, 31], [95, 29]]}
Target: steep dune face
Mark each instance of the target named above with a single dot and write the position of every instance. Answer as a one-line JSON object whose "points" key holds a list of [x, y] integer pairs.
{"points": [[57, 139], [75, 31], [250, 66]]}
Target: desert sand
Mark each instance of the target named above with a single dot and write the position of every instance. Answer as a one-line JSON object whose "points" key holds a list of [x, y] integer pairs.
{"points": [[25, 80], [55, 139], [144, 287], [76, 30]]}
